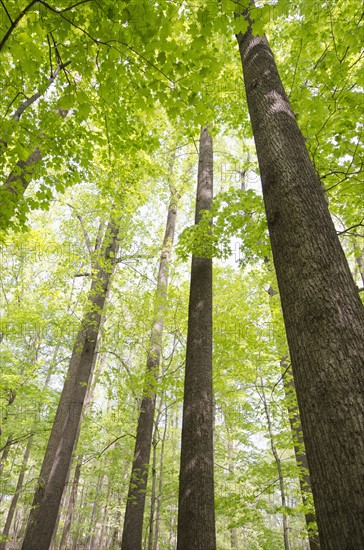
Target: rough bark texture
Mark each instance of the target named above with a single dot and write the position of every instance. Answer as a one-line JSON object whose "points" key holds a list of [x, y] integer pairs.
{"points": [[65, 428], [322, 311], [196, 514], [134, 513]]}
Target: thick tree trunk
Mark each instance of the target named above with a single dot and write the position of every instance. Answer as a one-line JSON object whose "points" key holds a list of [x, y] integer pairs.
{"points": [[322, 311], [279, 468], [65, 428], [196, 513], [134, 513]]}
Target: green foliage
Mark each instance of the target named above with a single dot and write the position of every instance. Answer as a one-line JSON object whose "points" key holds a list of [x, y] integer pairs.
{"points": [[142, 78]]}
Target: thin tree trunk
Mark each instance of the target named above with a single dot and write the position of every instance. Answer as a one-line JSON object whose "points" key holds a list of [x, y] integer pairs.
{"points": [[65, 428], [298, 443], [196, 512], [300, 453], [153, 496], [360, 263], [20, 481], [92, 525], [71, 505], [19, 486], [160, 485], [115, 535], [80, 517], [234, 539], [322, 310], [279, 468], [104, 521], [134, 513]]}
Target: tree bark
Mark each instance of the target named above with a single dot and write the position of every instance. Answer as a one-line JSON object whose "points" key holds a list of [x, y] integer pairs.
{"points": [[65, 428], [196, 513], [322, 311], [134, 513]]}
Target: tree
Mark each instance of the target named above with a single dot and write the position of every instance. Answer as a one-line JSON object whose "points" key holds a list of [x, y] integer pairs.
{"points": [[133, 520], [196, 513], [322, 311], [61, 443]]}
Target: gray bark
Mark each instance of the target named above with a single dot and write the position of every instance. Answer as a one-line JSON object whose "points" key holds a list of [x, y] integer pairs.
{"points": [[134, 513], [65, 428], [196, 511], [322, 310]]}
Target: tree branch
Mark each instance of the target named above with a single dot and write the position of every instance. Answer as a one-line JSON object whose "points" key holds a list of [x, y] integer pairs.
{"points": [[6, 11], [16, 440], [84, 230], [106, 448], [37, 95], [360, 224], [15, 22], [25, 11]]}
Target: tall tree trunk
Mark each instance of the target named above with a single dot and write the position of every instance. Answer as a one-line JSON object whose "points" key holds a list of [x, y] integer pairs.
{"points": [[102, 538], [160, 485], [61, 443], [279, 467], [92, 525], [115, 535], [234, 538], [300, 453], [133, 520], [71, 505], [19, 486], [20, 481], [322, 311], [80, 518], [153, 496], [297, 437], [77, 473], [360, 263], [196, 513]]}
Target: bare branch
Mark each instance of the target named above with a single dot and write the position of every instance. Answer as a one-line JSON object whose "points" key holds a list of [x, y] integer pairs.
{"points": [[25, 11], [84, 230], [15, 22], [360, 224], [6, 11], [97, 455]]}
